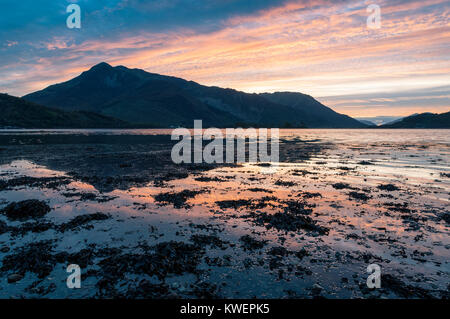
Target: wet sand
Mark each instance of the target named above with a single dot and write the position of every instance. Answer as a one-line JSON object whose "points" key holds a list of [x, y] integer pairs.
{"points": [[142, 227]]}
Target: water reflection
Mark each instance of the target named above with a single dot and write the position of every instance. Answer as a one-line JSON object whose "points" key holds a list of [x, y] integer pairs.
{"points": [[340, 183]]}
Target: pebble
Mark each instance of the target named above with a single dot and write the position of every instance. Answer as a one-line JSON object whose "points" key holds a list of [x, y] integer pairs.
{"points": [[14, 278]]}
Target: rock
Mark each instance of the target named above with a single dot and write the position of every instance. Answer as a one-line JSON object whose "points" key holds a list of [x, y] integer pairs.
{"points": [[82, 221], [208, 240], [388, 187], [316, 289], [359, 196], [42, 182], [317, 286], [178, 200], [342, 186], [446, 217], [4, 249], [287, 221], [284, 183], [26, 209], [250, 243], [3, 227], [279, 251], [14, 278]]}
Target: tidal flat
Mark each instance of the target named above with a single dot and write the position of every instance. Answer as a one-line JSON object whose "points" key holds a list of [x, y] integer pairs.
{"points": [[140, 226]]}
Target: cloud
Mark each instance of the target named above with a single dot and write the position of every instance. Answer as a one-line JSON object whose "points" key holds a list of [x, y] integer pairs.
{"points": [[322, 48]]}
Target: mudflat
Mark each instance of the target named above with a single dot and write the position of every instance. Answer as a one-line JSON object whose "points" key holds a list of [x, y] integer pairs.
{"points": [[140, 226]]}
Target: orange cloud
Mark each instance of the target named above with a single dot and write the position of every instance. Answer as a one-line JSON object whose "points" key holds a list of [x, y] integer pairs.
{"points": [[322, 50]]}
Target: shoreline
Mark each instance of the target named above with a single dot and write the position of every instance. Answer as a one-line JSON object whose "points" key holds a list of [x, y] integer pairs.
{"points": [[141, 227]]}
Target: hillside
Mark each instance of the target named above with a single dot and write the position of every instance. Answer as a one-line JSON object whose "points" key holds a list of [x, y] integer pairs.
{"points": [[315, 113], [424, 120], [17, 112]]}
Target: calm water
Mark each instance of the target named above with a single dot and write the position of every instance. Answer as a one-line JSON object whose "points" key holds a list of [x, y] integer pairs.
{"points": [[333, 135]]}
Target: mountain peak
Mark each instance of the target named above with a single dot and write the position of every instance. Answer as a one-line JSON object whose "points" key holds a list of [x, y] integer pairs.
{"points": [[102, 66]]}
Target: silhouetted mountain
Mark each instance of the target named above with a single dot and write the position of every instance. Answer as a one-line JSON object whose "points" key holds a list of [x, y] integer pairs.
{"points": [[379, 120], [152, 99], [315, 113], [366, 122], [424, 120], [16, 112]]}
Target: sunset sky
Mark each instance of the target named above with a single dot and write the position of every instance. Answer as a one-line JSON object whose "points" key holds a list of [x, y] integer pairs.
{"points": [[321, 48]]}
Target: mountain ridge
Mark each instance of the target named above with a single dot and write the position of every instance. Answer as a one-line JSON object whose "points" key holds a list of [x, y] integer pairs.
{"points": [[423, 120], [144, 98]]}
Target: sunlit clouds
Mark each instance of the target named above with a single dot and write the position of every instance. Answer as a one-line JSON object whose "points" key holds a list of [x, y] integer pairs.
{"points": [[322, 48]]}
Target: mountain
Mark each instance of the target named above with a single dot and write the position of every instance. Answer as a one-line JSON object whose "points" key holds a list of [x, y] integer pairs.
{"points": [[151, 99], [366, 122], [17, 112], [314, 113], [424, 120], [379, 120]]}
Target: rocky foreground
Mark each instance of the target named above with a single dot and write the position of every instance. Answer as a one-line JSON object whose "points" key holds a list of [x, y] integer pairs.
{"points": [[140, 226]]}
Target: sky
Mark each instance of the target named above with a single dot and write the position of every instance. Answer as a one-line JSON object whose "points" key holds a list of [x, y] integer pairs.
{"points": [[322, 48]]}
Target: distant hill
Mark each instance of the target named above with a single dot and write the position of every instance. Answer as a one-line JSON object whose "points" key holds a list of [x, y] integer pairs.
{"points": [[151, 99], [424, 120], [369, 123], [379, 120], [18, 113]]}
